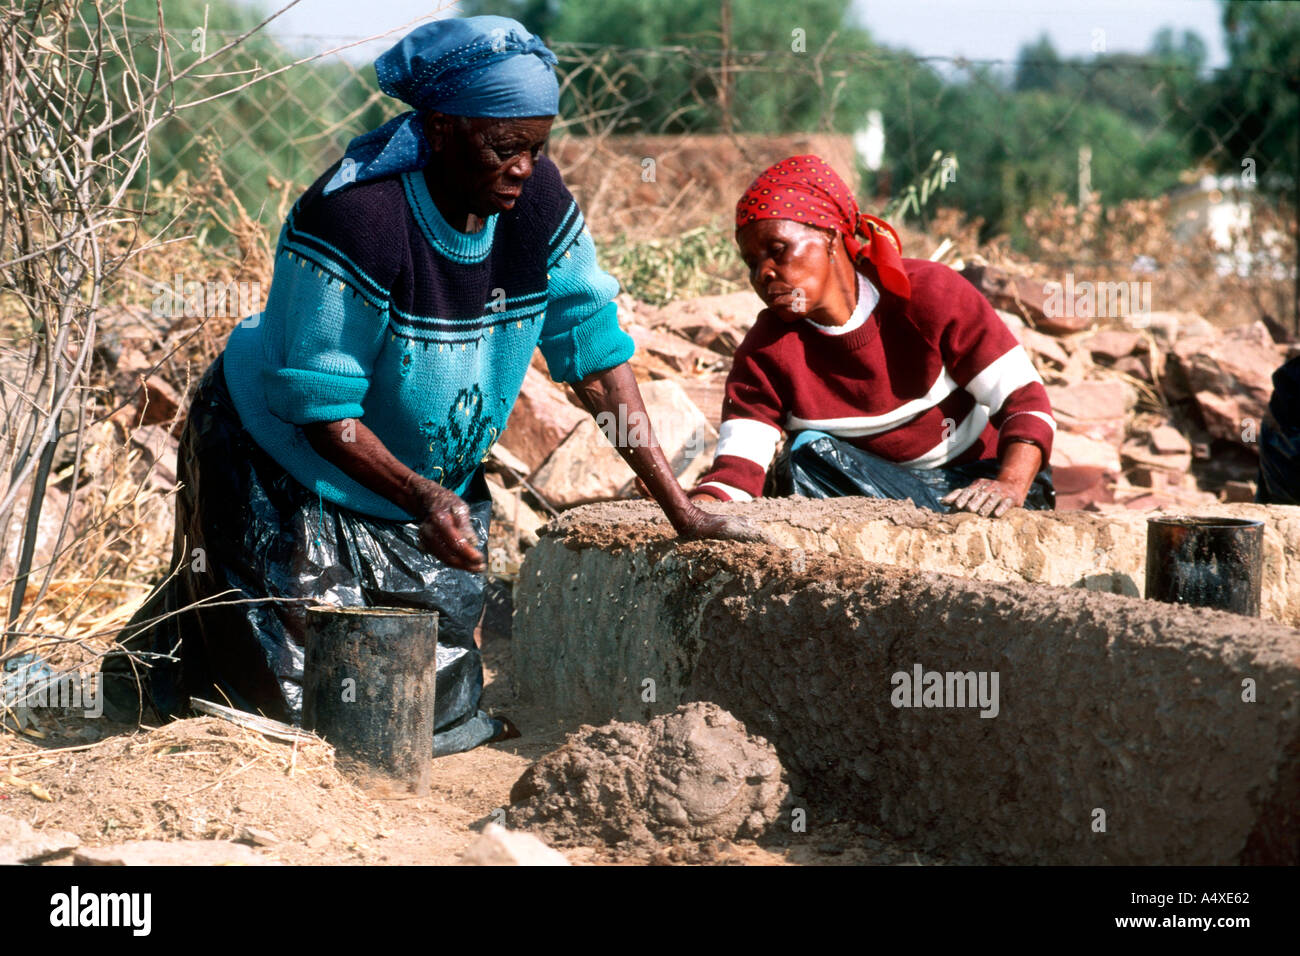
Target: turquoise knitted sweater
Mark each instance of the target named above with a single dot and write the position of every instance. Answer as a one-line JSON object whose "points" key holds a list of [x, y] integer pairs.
{"points": [[380, 311]]}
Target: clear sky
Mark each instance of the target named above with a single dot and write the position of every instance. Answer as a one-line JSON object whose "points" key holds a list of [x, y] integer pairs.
{"points": [[996, 29], [978, 29]]}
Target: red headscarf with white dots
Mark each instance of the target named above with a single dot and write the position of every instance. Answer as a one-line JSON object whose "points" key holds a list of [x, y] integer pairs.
{"points": [[807, 190]]}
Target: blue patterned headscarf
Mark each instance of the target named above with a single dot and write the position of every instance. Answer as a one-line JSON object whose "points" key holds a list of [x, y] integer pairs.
{"points": [[475, 66]]}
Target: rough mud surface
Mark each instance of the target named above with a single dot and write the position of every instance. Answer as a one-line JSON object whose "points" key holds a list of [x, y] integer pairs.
{"points": [[1090, 551], [1106, 702], [203, 779], [695, 774]]}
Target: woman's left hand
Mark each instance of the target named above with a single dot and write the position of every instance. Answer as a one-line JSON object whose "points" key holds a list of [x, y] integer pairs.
{"points": [[990, 497]]}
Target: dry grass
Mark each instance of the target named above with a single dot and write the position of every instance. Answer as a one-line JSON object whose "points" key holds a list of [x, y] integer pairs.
{"points": [[202, 778], [120, 518], [1135, 241]]}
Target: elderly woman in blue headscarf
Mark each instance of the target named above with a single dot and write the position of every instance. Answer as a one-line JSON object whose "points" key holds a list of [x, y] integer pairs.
{"points": [[333, 453]]}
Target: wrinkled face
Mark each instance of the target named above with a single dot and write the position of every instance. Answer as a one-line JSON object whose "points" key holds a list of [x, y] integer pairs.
{"points": [[789, 265], [488, 159]]}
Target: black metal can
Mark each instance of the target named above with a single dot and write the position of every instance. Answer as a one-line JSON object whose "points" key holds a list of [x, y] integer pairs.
{"points": [[1206, 562]]}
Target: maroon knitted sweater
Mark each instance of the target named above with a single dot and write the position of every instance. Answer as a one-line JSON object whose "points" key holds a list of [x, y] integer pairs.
{"points": [[937, 379]]}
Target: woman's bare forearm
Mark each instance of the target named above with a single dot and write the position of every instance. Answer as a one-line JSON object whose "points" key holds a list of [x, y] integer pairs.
{"points": [[1019, 464], [615, 392], [357, 452], [446, 530]]}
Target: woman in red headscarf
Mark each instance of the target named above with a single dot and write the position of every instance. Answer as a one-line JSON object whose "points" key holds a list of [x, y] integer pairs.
{"points": [[894, 377]]}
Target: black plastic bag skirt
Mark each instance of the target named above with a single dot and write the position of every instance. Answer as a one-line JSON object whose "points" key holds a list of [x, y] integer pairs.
{"points": [[818, 465], [247, 533]]}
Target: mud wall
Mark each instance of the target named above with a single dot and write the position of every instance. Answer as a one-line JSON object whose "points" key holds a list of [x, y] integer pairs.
{"points": [[1125, 731], [1099, 552]]}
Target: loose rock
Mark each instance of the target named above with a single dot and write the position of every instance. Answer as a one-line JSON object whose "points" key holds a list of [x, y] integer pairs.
{"points": [[501, 847], [542, 416], [19, 843], [173, 853], [586, 467]]}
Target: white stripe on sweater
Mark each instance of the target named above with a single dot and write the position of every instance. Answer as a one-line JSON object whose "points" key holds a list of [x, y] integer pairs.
{"points": [[1001, 377], [1051, 422], [860, 425], [748, 438], [961, 438], [734, 494]]}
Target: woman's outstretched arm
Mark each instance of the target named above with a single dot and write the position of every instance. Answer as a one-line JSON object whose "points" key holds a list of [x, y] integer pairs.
{"points": [[615, 391]]}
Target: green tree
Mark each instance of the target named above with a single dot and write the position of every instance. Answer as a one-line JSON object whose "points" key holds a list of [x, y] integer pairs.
{"points": [[1038, 67], [273, 126], [1256, 99], [1144, 87], [538, 16], [673, 82]]}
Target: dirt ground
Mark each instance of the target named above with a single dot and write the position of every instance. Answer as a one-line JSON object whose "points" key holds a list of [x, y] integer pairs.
{"points": [[205, 778]]}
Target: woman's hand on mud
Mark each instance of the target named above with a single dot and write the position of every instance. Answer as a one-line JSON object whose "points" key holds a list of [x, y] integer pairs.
{"points": [[701, 524], [446, 531], [704, 524], [989, 497]]}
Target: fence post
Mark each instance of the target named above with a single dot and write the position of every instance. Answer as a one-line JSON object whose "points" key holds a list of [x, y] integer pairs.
{"points": [[724, 80]]}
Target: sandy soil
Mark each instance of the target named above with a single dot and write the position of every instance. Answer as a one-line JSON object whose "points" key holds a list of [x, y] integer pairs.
{"points": [[204, 778]]}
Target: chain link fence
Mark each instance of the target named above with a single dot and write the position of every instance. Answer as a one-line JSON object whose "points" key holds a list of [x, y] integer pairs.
{"points": [[700, 122]]}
